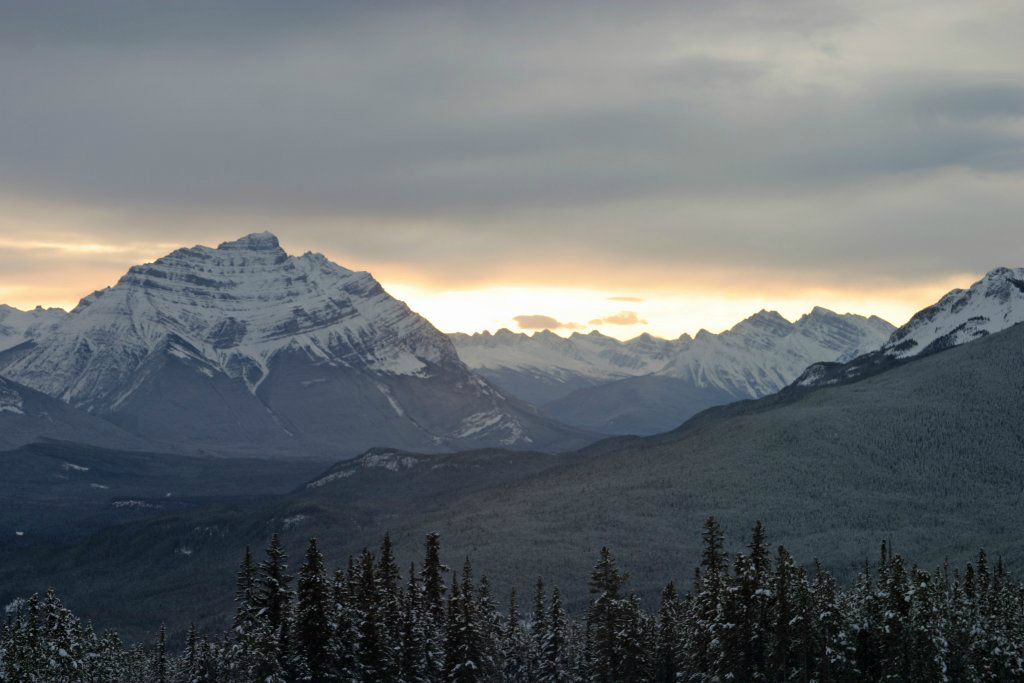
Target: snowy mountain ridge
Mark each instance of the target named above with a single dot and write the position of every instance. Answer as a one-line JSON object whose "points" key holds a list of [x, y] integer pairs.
{"points": [[991, 304], [17, 326], [758, 356]]}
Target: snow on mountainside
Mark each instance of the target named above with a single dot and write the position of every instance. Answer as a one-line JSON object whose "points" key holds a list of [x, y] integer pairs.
{"points": [[758, 356], [244, 345], [992, 304], [18, 326]]}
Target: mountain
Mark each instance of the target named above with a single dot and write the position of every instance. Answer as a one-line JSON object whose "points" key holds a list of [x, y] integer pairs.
{"points": [[990, 305], [244, 348], [646, 385], [17, 326], [28, 416]]}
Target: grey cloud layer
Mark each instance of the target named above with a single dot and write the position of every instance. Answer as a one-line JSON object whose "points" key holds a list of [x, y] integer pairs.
{"points": [[800, 135]]}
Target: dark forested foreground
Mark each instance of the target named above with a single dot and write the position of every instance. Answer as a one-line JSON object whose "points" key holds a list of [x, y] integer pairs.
{"points": [[756, 616]]}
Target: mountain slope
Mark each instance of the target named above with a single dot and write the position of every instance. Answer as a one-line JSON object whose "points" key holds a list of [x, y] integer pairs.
{"points": [[582, 379], [27, 416], [245, 348], [990, 305], [927, 454]]}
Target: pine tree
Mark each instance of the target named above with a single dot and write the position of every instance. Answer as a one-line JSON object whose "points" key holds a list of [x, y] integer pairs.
{"points": [[432, 575], [246, 598], [273, 595], [633, 665], [433, 604], [463, 644], [603, 619], [371, 653], [314, 619], [704, 649], [160, 657], [389, 577], [489, 621], [538, 628], [667, 665], [413, 666], [553, 667], [515, 652], [344, 662]]}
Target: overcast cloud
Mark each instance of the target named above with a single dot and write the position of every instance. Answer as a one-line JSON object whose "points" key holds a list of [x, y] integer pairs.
{"points": [[876, 141]]}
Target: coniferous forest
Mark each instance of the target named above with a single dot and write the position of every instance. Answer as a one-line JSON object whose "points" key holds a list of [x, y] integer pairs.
{"points": [[753, 616]]}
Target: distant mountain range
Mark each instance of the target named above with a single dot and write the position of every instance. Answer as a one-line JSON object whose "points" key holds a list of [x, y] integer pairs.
{"points": [[648, 385], [246, 349]]}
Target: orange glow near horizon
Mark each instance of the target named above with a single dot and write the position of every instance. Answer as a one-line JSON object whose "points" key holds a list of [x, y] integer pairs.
{"points": [[662, 310]]}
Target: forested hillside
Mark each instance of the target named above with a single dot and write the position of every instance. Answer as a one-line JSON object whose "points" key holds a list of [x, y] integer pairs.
{"points": [[757, 615], [927, 454]]}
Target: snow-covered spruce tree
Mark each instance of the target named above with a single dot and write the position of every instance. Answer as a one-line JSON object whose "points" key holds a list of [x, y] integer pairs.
{"points": [[538, 629], [666, 653], [432, 575], [603, 619], [634, 665], [274, 597], [706, 632], [313, 632], [343, 651], [433, 611], [835, 651], [412, 660], [553, 666], [490, 626], [514, 645], [371, 652], [463, 652], [784, 657], [389, 578], [159, 670], [246, 599]]}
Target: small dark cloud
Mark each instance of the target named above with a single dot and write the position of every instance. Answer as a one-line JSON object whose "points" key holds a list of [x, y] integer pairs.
{"points": [[621, 318], [543, 322], [629, 299]]}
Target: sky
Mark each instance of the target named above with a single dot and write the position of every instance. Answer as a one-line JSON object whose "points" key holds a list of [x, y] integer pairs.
{"points": [[630, 167]]}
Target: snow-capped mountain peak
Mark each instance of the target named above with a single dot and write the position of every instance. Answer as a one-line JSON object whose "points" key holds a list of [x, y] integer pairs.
{"points": [[991, 304], [248, 316]]}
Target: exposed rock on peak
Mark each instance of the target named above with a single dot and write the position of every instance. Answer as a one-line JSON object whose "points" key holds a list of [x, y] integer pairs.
{"points": [[246, 346]]}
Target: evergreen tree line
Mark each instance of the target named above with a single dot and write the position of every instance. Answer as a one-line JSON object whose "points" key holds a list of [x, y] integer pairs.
{"points": [[755, 616]]}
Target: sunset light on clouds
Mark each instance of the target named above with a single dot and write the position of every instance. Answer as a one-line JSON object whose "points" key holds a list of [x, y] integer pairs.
{"points": [[678, 168]]}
